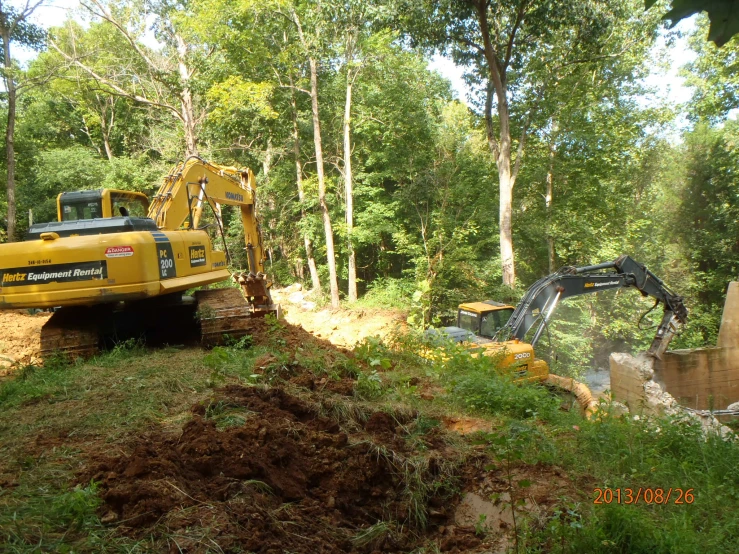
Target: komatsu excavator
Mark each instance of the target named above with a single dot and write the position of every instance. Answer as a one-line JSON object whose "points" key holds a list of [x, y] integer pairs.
{"points": [[496, 329], [116, 266]]}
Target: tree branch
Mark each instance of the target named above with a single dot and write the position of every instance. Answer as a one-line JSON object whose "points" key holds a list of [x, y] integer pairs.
{"points": [[116, 89], [107, 16], [516, 25]]}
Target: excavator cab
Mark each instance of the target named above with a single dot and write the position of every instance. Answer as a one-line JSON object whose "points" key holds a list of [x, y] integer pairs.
{"points": [[101, 203], [96, 212], [484, 319]]}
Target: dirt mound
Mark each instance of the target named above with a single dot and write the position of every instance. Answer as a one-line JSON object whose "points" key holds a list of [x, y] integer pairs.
{"points": [[21, 337], [259, 470]]}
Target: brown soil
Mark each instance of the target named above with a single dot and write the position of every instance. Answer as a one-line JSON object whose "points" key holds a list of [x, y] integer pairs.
{"points": [[21, 337], [467, 425], [341, 327], [286, 479]]}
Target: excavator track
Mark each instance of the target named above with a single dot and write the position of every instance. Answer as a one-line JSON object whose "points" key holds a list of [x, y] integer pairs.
{"points": [[225, 313], [213, 317], [72, 332]]}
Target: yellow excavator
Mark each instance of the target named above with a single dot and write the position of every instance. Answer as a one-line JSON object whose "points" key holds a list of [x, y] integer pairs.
{"points": [[500, 330], [115, 265]]}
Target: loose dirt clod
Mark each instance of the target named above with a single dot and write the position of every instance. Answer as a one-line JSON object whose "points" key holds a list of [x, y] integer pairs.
{"points": [[261, 471]]}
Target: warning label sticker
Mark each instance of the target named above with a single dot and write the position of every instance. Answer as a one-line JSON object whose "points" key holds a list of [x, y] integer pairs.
{"points": [[119, 251], [58, 273]]}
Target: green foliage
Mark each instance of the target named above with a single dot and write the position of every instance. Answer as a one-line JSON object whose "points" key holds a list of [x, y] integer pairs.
{"points": [[369, 385], [124, 350], [77, 507], [477, 383], [632, 453], [388, 293], [722, 14]]}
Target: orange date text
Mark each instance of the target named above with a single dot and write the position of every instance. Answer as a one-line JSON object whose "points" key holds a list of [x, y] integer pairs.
{"points": [[644, 495]]}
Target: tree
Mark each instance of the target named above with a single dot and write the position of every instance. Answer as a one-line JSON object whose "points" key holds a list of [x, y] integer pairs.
{"points": [[518, 53], [163, 79], [15, 28], [713, 76], [723, 14], [312, 46]]}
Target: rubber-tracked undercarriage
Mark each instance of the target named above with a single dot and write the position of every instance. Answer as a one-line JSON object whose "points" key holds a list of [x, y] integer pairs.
{"points": [[208, 317]]}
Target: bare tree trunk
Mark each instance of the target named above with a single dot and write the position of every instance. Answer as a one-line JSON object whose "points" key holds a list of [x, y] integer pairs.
{"points": [[105, 126], [548, 198], [501, 149], [502, 153], [188, 117], [330, 254], [315, 281], [10, 133], [105, 131], [348, 186]]}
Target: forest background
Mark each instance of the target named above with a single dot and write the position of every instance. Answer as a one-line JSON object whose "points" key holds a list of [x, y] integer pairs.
{"points": [[376, 186]]}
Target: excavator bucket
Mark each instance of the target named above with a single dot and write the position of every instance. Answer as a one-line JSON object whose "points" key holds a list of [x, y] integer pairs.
{"points": [[255, 288]]}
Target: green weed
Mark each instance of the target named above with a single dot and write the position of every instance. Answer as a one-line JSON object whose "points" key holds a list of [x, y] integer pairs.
{"points": [[368, 386], [121, 351]]}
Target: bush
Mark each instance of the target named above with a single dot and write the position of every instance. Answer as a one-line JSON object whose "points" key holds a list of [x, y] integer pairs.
{"points": [[478, 383]]}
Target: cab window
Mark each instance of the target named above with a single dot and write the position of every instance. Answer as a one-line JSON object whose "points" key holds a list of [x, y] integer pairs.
{"points": [[493, 321], [86, 209], [124, 205], [469, 321]]}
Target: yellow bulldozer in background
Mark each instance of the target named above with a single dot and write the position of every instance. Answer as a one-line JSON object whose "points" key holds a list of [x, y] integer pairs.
{"points": [[115, 266]]}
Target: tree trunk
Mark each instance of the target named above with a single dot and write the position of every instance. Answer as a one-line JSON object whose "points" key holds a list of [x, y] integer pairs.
{"points": [[105, 127], [10, 133], [348, 186], [550, 196], [188, 118], [501, 148], [506, 181], [322, 185], [315, 281], [502, 153]]}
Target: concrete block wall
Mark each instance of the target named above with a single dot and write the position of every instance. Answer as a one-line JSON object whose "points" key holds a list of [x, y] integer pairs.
{"points": [[628, 376], [702, 378], [728, 334]]}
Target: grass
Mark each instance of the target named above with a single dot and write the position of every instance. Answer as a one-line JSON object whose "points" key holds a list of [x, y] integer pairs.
{"points": [[51, 417], [609, 452]]}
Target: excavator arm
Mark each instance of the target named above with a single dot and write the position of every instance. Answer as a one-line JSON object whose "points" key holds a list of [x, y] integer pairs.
{"points": [[540, 301], [192, 184]]}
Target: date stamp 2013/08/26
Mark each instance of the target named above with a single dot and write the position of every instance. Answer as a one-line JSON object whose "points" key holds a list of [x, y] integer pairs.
{"points": [[644, 496]]}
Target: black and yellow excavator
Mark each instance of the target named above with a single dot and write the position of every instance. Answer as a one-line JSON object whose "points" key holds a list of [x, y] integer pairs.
{"points": [[498, 329], [115, 265]]}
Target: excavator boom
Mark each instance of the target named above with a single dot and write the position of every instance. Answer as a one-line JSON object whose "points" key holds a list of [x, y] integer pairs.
{"points": [[195, 183], [540, 301]]}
